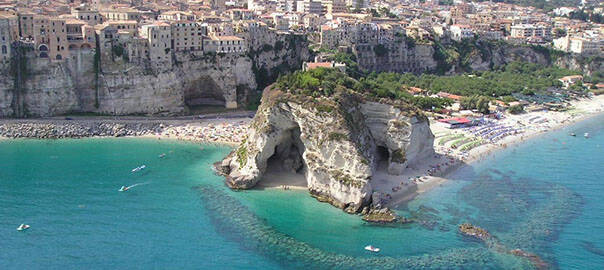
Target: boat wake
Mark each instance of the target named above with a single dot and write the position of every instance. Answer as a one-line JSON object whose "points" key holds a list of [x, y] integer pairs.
{"points": [[124, 188]]}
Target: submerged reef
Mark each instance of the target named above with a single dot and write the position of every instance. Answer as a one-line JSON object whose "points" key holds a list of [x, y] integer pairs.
{"points": [[238, 223]]}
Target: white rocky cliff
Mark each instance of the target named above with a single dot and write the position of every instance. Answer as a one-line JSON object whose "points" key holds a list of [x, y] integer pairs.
{"points": [[107, 84], [336, 142]]}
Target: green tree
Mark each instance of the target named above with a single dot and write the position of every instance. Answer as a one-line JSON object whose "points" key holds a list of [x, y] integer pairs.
{"points": [[516, 109]]}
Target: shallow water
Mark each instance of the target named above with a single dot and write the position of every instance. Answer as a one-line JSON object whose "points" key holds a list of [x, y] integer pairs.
{"points": [[542, 196]]}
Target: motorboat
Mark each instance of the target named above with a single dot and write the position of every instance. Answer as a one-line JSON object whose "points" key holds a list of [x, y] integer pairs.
{"points": [[573, 134], [586, 135], [372, 248], [123, 188], [22, 227], [139, 168], [162, 156]]}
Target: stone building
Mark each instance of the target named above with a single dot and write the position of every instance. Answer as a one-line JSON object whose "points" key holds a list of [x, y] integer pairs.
{"points": [[50, 37], [312, 7], [460, 32], [335, 6], [377, 47], [9, 32], [187, 36], [579, 45], [177, 16], [126, 26], [159, 37], [121, 14], [225, 44], [539, 30], [85, 13], [79, 35], [354, 4], [26, 24]]}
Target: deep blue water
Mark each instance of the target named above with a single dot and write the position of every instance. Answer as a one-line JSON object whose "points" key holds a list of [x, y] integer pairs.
{"points": [[543, 196]]}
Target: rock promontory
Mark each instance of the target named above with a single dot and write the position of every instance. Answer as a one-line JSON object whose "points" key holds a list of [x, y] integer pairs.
{"points": [[312, 124]]}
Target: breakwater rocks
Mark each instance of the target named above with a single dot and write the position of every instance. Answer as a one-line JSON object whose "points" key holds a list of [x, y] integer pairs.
{"points": [[253, 233], [67, 129], [537, 262], [493, 243]]}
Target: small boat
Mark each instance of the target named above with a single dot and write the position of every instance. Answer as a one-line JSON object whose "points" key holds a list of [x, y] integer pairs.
{"points": [[586, 135], [372, 248], [573, 134], [139, 168], [123, 188], [22, 227]]}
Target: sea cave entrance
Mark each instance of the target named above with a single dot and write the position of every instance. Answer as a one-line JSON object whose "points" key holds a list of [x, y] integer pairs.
{"points": [[382, 157], [286, 167]]}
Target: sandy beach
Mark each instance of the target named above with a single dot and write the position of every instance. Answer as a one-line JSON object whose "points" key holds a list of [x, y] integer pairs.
{"points": [[434, 171], [221, 131]]}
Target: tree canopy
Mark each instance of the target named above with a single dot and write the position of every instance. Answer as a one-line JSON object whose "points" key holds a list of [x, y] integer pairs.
{"points": [[477, 89]]}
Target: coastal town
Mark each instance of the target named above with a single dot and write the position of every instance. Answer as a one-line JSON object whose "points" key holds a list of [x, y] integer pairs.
{"points": [[154, 31], [381, 36], [219, 119]]}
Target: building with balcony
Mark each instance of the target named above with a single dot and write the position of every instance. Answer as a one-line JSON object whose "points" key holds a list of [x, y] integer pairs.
{"points": [[225, 44]]}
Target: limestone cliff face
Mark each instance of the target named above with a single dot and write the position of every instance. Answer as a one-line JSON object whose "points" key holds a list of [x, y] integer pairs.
{"points": [[583, 64], [273, 54], [500, 54], [119, 87], [337, 143]]}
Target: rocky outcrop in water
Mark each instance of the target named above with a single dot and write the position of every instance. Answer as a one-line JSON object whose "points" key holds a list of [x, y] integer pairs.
{"points": [[471, 230], [336, 142], [492, 242]]}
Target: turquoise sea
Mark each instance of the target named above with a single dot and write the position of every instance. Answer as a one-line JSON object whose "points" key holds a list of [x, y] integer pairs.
{"points": [[543, 196]]}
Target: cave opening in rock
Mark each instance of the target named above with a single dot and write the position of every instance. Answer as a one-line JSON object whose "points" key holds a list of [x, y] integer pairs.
{"points": [[383, 157], [286, 167], [203, 95]]}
